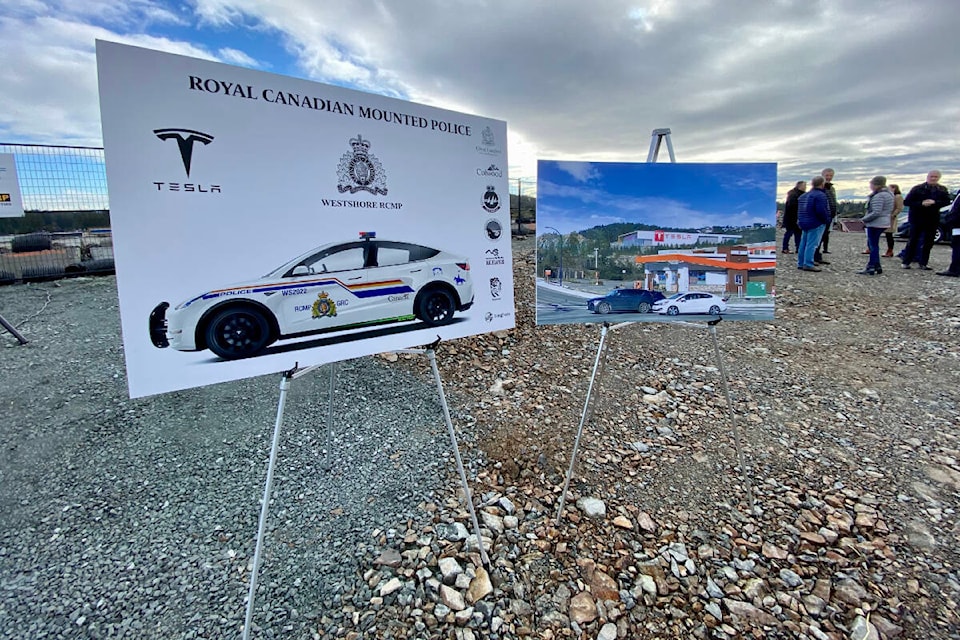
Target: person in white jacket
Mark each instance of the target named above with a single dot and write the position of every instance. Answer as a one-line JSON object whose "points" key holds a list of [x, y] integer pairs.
{"points": [[876, 220]]}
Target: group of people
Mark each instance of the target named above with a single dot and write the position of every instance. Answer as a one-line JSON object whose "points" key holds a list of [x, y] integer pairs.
{"points": [[808, 216]]}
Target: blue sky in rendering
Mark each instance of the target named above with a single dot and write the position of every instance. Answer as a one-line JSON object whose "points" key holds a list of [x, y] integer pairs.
{"points": [[574, 196], [862, 86]]}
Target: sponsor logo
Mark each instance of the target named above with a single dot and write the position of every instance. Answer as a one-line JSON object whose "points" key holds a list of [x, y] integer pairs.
{"points": [[323, 306], [360, 170], [4, 197], [494, 258], [490, 317], [493, 171], [496, 288], [494, 229], [491, 201], [488, 143], [186, 139]]}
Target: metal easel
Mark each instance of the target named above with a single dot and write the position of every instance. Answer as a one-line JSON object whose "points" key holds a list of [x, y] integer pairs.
{"points": [[13, 331], [286, 379], [657, 138]]}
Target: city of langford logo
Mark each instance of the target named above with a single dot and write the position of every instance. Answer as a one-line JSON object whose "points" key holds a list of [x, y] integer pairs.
{"points": [[491, 201], [487, 136], [185, 140], [361, 170], [488, 144]]}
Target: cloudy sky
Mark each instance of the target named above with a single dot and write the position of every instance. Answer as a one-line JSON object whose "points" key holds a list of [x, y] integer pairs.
{"points": [[865, 86]]}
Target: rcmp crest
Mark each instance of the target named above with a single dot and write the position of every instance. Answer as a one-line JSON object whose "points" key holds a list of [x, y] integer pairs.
{"points": [[324, 306], [491, 201], [361, 170]]}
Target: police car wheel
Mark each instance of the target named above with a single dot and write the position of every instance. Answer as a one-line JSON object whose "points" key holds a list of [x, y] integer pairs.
{"points": [[672, 311], [239, 332], [436, 307]]}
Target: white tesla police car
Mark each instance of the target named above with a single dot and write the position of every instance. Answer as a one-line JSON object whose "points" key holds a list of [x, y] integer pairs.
{"points": [[338, 286]]}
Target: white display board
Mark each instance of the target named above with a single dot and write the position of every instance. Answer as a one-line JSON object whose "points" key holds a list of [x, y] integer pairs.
{"points": [[11, 204], [261, 221]]}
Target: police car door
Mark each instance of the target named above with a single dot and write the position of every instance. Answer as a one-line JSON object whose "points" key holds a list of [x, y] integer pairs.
{"points": [[393, 280], [326, 291]]}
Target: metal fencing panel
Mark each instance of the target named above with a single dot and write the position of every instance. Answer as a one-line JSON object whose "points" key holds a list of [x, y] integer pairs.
{"points": [[66, 227]]}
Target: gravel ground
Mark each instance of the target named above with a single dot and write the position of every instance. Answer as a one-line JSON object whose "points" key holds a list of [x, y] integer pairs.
{"points": [[136, 519]]}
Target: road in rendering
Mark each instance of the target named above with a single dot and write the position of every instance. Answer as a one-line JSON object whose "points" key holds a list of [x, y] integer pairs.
{"points": [[560, 307]]}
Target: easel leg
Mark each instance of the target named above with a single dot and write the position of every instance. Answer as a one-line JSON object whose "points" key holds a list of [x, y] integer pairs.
{"points": [[326, 444], [9, 327], [583, 420], [733, 418], [265, 507], [431, 354]]}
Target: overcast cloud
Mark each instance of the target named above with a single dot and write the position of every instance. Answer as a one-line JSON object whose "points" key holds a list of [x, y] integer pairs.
{"points": [[867, 87]]}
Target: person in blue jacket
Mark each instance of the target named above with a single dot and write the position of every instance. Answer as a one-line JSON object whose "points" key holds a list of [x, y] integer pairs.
{"points": [[813, 216]]}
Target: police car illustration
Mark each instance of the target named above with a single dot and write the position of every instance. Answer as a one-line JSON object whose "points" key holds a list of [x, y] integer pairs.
{"points": [[338, 286]]}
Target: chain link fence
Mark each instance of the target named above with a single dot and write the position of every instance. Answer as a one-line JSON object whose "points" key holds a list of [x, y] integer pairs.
{"points": [[66, 227]]}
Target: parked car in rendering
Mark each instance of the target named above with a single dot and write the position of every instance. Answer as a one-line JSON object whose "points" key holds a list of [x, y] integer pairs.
{"points": [[619, 300], [335, 287], [691, 302]]}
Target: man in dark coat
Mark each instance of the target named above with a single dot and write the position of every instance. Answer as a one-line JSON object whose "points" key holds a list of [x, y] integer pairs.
{"points": [[813, 216], [925, 201], [790, 226]]}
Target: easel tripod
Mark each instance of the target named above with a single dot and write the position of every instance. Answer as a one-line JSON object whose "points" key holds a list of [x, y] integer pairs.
{"points": [[13, 331], [658, 136], [285, 381]]}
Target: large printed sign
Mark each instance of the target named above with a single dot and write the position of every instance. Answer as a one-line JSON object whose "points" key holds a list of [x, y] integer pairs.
{"points": [[261, 221], [641, 242], [11, 205]]}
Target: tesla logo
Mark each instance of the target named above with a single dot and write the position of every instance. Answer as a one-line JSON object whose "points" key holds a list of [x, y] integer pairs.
{"points": [[185, 140]]}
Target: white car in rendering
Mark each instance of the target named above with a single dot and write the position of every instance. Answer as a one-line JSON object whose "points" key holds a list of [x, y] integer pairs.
{"points": [[690, 302], [339, 286]]}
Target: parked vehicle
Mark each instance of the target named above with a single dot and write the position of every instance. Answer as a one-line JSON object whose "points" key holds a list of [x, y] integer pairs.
{"points": [[621, 300], [338, 286], [691, 302], [942, 234]]}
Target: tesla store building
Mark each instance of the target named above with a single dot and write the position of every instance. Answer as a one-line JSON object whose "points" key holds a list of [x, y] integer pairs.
{"points": [[742, 270]]}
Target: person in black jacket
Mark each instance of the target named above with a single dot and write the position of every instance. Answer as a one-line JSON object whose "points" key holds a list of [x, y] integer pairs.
{"points": [[953, 220], [925, 201], [790, 226]]}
